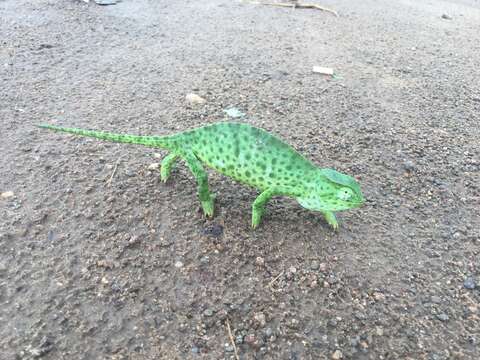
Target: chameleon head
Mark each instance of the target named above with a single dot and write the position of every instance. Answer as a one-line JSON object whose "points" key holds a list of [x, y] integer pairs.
{"points": [[332, 191]]}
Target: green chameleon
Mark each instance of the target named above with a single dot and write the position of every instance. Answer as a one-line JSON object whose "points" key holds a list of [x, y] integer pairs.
{"points": [[251, 156]]}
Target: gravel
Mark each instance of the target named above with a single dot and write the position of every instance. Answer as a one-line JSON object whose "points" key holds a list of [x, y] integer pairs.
{"points": [[105, 261]]}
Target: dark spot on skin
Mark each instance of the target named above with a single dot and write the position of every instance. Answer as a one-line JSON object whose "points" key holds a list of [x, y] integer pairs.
{"points": [[274, 161], [248, 156], [261, 165], [288, 168], [247, 174]]}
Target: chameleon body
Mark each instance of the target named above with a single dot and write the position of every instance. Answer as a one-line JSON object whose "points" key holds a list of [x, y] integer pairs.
{"points": [[251, 156]]}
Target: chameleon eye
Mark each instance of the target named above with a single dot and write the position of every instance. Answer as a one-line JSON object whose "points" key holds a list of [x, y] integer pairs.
{"points": [[344, 194]]}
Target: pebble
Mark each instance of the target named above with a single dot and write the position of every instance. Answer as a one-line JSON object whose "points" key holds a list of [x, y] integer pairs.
{"points": [[268, 332], [446, 17], [228, 348], [194, 99], [6, 194], [239, 339], [208, 312], [409, 166], [442, 317], [469, 283], [337, 355], [260, 318], [378, 296], [260, 261], [195, 350], [314, 265], [250, 339], [322, 267], [436, 299], [178, 264], [153, 166]]}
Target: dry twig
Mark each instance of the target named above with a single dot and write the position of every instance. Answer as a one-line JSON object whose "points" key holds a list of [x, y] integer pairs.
{"points": [[109, 181], [231, 339], [275, 279], [297, 5]]}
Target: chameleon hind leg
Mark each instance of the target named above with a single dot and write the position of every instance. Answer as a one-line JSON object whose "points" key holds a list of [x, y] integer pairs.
{"points": [[206, 198], [166, 166], [258, 206]]}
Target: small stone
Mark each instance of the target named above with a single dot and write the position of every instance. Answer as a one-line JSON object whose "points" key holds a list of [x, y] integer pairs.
{"points": [[446, 17], [6, 194], [157, 156], [260, 261], [292, 269], [409, 166], [250, 339], [268, 332], [436, 299], [379, 331], [178, 264], [322, 267], [105, 2], [194, 99], [153, 166], [105, 280], [469, 283], [314, 265], [378, 296], [260, 318], [228, 348], [105, 264], [195, 350], [442, 317], [239, 339], [337, 355], [208, 312]]}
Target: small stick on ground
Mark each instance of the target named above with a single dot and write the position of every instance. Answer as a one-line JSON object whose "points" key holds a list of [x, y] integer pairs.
{"points": [[275, 279], [109, 181], [231, 339], [297, 5]]}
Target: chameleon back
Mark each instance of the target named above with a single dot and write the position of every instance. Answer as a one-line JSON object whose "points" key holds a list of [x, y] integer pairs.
{"points": [[249, 155]]}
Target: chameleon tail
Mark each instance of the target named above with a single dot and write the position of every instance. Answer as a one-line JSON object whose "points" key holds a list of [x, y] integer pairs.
{"points": [[150, 141]]}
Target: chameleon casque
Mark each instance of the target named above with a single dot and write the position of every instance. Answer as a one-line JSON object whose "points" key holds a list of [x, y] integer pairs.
{"points": [[251, 156]]}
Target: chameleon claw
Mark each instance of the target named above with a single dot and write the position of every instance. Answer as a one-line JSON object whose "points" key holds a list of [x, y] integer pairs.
{"points": [[208, 208]]}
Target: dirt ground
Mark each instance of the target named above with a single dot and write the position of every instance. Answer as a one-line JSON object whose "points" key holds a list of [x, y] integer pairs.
{"points": [[100, 260]]}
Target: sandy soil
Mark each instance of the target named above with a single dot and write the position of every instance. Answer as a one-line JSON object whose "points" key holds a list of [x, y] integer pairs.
{"points": [[95, 266]]}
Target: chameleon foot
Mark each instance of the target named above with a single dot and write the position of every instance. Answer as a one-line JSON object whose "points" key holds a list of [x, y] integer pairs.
{"points": [[208, 207], [331, 219], [166, 167]]}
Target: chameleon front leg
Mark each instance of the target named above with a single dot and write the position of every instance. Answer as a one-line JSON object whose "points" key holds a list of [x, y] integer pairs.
{"points": [[206, 199], [258, 206], [167, 165], [331, 219]]}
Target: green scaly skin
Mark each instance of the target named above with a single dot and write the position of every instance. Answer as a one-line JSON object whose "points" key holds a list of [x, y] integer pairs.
{"points": [[251, 156]]}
